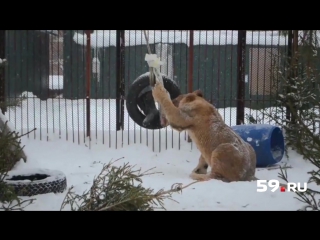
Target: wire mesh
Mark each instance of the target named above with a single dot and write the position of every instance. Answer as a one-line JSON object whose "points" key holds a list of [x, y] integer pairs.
{"points": [[49, 69]]}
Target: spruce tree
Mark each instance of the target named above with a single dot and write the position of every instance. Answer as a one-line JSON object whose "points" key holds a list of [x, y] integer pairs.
{"points": [[298, 93]]}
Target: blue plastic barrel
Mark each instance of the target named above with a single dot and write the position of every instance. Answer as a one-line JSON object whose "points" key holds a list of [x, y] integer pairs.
{"points": [[266, 140]]}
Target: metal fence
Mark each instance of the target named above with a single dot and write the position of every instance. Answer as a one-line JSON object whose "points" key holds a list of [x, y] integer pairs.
{"points": [[74, 84]]}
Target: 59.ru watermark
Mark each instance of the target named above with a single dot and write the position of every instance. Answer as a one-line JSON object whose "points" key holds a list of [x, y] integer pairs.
{"points": [[264, 185]]}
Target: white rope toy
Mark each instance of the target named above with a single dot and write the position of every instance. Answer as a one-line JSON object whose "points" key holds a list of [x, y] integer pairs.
{"points": [[154, 62]]}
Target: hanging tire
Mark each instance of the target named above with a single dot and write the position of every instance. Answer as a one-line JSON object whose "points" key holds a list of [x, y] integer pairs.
{"points": [[36, 181], [134, 98]]}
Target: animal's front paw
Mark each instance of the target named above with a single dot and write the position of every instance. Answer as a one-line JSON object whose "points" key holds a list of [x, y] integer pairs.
{"points": [[200, 177], [159, 91], [200, 170]]}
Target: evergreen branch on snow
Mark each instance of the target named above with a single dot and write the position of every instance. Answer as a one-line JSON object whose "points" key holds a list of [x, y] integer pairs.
{"points": [[120, 189]]}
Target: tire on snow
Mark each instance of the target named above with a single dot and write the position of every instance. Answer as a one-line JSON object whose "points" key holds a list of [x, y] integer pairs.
{"points": [[133, 93], [30, 182]]}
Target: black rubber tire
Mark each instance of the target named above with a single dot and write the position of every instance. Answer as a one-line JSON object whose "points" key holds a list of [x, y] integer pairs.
{"points": [[132, 98], [56, 182]]}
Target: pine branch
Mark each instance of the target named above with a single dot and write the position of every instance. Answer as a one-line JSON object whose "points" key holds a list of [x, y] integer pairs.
{"points": [[177, 187], [119, 189], [299, 96], [11, 152]]}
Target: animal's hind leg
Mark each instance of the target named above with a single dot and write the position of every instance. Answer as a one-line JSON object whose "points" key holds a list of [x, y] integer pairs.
{"points": [[227, 163], [202, 166], [200, 172]]}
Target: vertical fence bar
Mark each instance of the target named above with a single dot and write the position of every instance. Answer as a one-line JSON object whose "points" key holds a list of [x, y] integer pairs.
{"points": [[27, 76], [74, 76], [190, 66], [257, 60], [38, 85], [103, 86], [190, 62], [77, 107], [219, 71], [120, 47], [16, 80], [122, 80], [64, 102], [128, 78], [293, 69], [118, 94], [224, 75], [231, 78], [60, 65], [290, 40], [265, 71], [2, 70], [241, 75], [88, 78]]}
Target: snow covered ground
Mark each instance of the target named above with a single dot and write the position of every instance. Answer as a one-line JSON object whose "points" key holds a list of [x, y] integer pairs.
{"points": [[81, 160]]}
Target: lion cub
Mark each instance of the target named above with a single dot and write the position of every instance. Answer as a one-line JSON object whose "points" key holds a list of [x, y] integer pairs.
{"points": [[228, 155]]}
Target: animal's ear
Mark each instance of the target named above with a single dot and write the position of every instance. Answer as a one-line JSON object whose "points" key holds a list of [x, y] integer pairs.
{"points": [[198, 93], [190, 98]]}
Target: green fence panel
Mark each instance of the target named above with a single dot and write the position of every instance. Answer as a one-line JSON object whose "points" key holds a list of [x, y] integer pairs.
{"points": [[27, 53], [74, 67]]}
